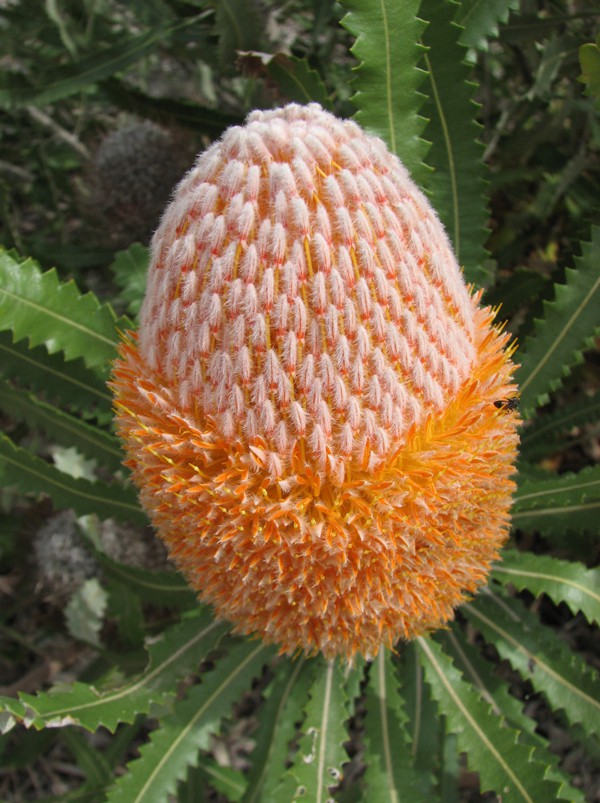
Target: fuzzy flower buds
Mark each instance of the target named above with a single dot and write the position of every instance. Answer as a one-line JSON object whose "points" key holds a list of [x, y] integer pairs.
{"points": [[308, 407]]}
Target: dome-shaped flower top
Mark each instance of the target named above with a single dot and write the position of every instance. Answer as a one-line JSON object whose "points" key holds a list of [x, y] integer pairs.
{"points": [[308, 407]]}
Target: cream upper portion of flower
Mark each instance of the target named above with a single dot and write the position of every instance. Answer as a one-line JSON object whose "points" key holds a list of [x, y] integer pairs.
{"points": [[302, 290]]}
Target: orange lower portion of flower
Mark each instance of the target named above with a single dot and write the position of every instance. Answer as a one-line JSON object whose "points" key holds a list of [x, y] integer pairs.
{"points": [[314, 566]]}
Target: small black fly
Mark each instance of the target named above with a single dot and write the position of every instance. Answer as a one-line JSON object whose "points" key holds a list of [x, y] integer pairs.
{"points": [[507, 404]]}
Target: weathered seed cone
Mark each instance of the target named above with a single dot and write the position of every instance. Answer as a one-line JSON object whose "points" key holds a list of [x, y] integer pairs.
{"points": [[308, 407]]}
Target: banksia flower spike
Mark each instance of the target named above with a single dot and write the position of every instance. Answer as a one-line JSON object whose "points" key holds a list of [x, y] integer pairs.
{"points": [[309, 404]]}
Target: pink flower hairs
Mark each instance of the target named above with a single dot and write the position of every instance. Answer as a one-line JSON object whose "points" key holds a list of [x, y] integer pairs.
{"points": [[308, 406]]}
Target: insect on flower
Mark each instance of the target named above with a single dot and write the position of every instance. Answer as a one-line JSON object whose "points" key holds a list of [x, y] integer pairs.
{"points": [[308, 419], [507, 404]]}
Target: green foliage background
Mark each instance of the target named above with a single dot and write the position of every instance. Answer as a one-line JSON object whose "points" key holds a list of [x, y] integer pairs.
{"points": [[494, 106]]}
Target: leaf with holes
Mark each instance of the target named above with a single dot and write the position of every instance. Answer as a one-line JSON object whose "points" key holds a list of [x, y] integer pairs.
{"points": [[317, 764], [277, 719]]}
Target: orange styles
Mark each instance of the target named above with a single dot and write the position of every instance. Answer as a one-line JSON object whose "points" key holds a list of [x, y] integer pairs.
{"points": [[308, 406]]}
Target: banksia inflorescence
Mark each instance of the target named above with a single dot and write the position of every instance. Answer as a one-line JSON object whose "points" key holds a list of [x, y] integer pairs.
{"points": [[309, 405]]}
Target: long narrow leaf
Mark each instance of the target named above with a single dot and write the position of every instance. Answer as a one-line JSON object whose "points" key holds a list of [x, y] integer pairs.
{"points": [[483, 676], [569, 502], [568, 327], [547, 434], [69, 384], [278, 717], [390, 773], [174, 655], [37, 306], [539, 655], [318, 763], [61, 427], [175, 745], [29, 474], [424, 723], [563, 581], [457, 184], [493, 748], [387, 78]]}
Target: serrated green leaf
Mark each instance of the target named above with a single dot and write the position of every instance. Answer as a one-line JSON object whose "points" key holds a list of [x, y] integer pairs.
{"points": [[29, 474], [569, 502], [387, 77], [69, 384], [568, 327], [563, 581], [61, 427], [457, 184], [175, 745], [65, 80], [390, 773], [318, 763], [130, 269], [296, 79], [539, 655], [492, 747], [589, 59], [37, 306], [425, 725], [483, 676], [285, 695], [480, 18], [176, 653], [548, 433]]}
